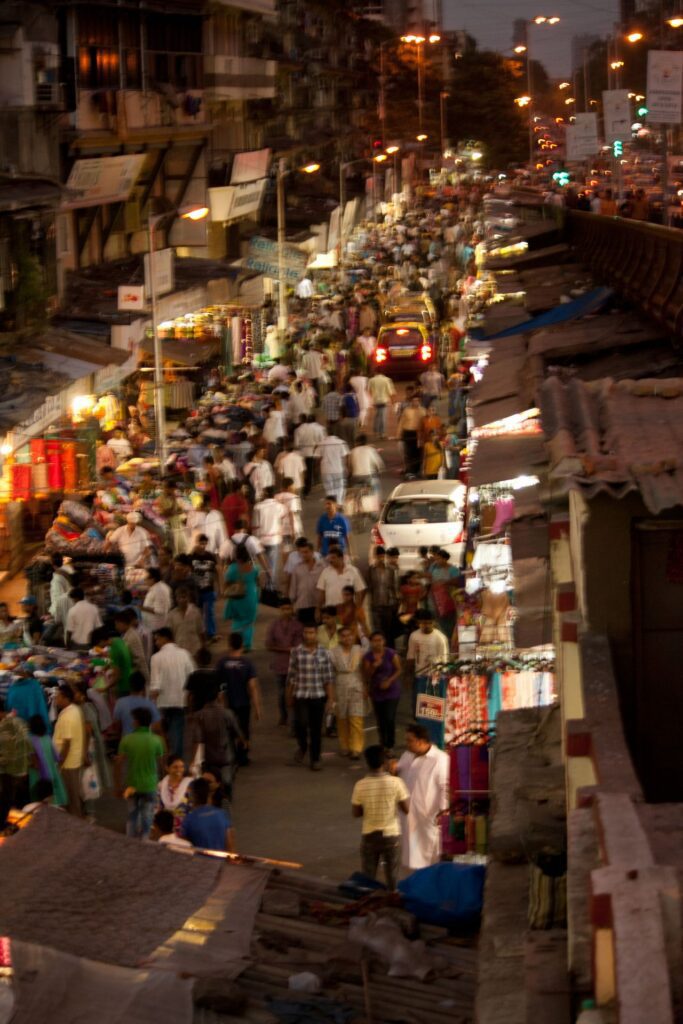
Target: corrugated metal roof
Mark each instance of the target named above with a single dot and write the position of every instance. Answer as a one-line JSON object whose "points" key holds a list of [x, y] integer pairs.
{"points": [[617, 436], [507, 457]]}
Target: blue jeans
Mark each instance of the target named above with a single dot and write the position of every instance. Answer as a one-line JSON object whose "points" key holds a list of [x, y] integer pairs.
{"points": [[174, 724], [380, 420], [272, 553], [207, 606], [140, 815]]}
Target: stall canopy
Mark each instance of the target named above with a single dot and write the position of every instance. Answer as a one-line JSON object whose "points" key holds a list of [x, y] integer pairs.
{"points": [[591, 302], [182, 353]]}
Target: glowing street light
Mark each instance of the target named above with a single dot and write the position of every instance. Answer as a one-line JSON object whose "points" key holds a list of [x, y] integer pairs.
{"points": [[392, 149], [635, 37], [521, 48], [569, 101], [523, 101], [616, 64], [434, 38], [380, 158], [676, 22], [422, 137], [418, 41], [564, 85], [310, 168]]}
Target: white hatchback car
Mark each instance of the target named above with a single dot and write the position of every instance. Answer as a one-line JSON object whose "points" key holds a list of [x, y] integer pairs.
{"points": [[420, 514]]}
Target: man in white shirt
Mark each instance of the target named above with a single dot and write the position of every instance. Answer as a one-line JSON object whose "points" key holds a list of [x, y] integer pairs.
{"points": [[333, 454], [158, 601], [259, 473], [382, 391], [427, 646], [81, 620], [291, 463], [304, 288], [60, 583], [132, 540], [170, 668], [365, 463], [279, 373], [301, 401], [368, 341], [432, 384], [425, 770], [306, 438], [226, 552], [120, 446], [312, 366], [335, 577], [269, 518]]}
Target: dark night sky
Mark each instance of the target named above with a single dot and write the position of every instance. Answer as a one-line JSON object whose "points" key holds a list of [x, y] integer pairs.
{"points": [[490, 22]]}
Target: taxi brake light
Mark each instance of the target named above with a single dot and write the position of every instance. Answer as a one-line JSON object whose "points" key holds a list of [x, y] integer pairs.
{"points": [[426, 353], [402, 330], [381, 355]]}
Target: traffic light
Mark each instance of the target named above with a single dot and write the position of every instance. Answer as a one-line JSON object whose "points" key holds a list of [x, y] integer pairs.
{"points": [[618, 147], [377, 144], [642, 111], [561, 178]]}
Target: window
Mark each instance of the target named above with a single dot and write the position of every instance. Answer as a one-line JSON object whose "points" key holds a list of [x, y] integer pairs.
{"points": [[98, 50], [175, 50], [420, 510]]}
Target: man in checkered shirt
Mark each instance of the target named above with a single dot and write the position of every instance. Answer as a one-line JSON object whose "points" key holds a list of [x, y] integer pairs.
{"points": [[309, 687]]}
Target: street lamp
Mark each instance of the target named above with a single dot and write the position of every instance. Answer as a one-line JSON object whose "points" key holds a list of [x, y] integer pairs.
{"points": [[153, 221], [282, 172], [418, 41], [540, 19], [635, 37]]}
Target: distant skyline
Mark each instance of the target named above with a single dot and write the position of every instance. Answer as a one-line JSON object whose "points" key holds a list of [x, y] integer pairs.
{"points": [[490, 22]]}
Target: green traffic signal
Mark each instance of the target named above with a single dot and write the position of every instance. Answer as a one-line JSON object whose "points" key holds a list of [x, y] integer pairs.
{"points": [[642, 111]]}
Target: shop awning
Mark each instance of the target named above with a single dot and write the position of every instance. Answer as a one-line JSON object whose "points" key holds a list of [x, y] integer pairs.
{"points": [[507, 457], [591, 302], [183, 353]]}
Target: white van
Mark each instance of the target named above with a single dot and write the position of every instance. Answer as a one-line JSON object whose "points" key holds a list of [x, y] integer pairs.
{"points": [[420, 514]]}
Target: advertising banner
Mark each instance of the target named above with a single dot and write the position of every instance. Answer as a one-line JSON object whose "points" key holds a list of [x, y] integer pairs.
{"points": [[664, 86], [163, 272], [617, 113], [107, 179]]}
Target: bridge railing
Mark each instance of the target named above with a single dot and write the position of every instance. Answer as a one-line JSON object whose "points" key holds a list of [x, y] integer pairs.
{"points": [[644, 262]]}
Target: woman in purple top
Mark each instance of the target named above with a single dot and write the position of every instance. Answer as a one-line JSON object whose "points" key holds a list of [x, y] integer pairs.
{"points": [[382, 674]]}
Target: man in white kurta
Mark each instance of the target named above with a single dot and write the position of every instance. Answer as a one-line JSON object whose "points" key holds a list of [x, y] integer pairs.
{"points": [[425, 770]]}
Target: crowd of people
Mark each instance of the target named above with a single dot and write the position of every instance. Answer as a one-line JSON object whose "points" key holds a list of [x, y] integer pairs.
{"points": [[229, 515]]}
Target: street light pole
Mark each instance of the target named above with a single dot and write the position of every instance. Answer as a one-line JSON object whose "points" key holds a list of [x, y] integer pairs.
{"points": [[283, 316], [442, 118], [159, 397], [420, 85]]}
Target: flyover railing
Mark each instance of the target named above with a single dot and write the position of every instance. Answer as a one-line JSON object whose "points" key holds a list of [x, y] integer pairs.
{"points": [[643, 262]]}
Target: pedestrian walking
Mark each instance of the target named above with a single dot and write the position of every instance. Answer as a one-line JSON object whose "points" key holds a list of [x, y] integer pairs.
{"points": [[239, 685], [70, 744], [377, 799], [382, 676], [187, 623], [425, 771], [15, 759], [205, 572], [269, 526], [216, 728], [242, 578], [283, 635], [141, 751], [348, 693], [170, 669], [333, 454], [310, 680], [382, 392], [384, 594], [207, 827]]}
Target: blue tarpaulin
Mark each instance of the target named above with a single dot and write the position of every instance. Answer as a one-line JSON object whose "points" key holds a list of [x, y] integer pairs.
{"points": [[591, 302]]}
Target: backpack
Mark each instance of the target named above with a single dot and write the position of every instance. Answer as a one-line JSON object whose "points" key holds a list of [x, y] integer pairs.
{"points": [[350, 405]]}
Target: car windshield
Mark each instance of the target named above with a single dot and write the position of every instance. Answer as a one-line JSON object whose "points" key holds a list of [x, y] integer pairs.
{"points": [[420, 510]]}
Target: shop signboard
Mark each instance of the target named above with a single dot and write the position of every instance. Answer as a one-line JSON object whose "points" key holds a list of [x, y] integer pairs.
{"points": [[263, 256], [163, 272], [99, 180], [233, 202], [617, 114], [250, 166], [131, 296], [664, 86], [582, 137]]}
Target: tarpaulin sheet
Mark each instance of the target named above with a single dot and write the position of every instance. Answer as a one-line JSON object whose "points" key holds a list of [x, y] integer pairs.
{"points": [[585, 304]]}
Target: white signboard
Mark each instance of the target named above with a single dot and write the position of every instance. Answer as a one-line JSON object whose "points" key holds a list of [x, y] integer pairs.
{"points": [[131, 296], [617, 113], [163, 272], [233, 202], [582, 137], [250, 166], [266, 249], [664, 86], [106, 179]]}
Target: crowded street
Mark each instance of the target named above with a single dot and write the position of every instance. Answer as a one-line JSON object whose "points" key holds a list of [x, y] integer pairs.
{"points": [[341, 546]]}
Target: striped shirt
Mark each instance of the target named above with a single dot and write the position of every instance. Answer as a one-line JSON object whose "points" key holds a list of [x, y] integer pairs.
{"points": [[379, 796], [331, 405]]}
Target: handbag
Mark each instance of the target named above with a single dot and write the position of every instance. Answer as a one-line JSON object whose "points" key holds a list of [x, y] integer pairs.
{"points": [[236, 589], [270, 596], [90, 784]]}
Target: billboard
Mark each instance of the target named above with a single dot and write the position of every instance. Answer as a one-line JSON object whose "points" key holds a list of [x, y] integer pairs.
{"points": [[664, 85], [99, 180]]}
